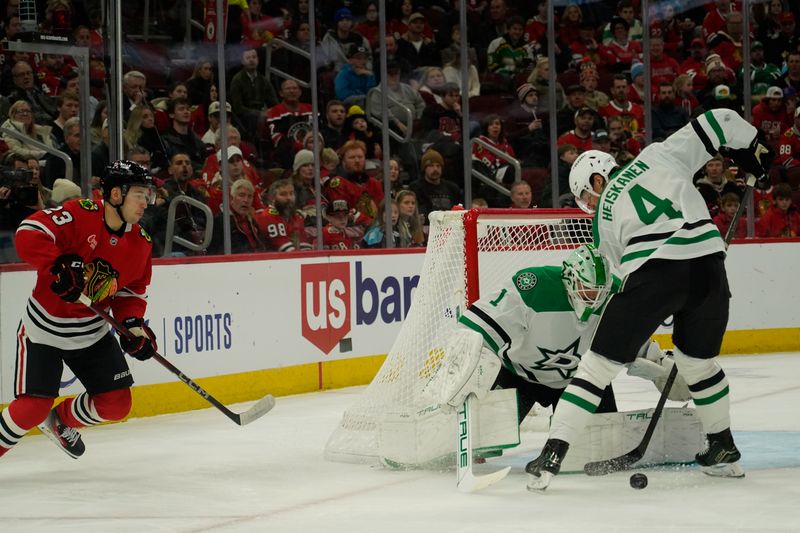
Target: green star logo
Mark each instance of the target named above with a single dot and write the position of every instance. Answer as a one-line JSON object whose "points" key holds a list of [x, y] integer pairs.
{"points": [[564, 361]]}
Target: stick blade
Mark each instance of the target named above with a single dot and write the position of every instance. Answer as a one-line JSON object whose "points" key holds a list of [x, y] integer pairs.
{"points": [[609, 466], [472, 483], [259, 409]]}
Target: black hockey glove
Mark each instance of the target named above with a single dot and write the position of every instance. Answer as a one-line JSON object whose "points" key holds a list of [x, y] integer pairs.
{"points": [[756, 159], [69, 282], [142, 343]]}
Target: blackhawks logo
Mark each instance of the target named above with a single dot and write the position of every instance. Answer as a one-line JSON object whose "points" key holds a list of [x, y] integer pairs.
{"points": [[101, 280], [144, 234], [525, 281], [88, 204]]}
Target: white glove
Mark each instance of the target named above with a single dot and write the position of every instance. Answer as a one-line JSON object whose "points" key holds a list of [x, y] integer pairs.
{"points": [[658, 373]]}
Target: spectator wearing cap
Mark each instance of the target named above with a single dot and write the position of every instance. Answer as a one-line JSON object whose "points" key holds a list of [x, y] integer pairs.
{"points": [[760, 70], [245, 235], [336, 235], [357, 128], [509, 54], [785, 41], [527, 129], [400, 95], [788, 152], [636, 87], [433, 192], [695, 65], [250, 92], [339, 41], [770, 115], [620, 51], [565, 117], [210, 136], [791, 78], [667, 117], [601, 141], [721, 97], [589, 79], [288, 123], [620, 106], [354, 79], [717, 74], [397, 23], [714, 183], [303, 182], [626, 12], [414, 47], [581, 136], [64, 190]]}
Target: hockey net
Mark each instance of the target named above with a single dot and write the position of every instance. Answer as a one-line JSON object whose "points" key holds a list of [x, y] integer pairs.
{"points": [[469, 253]]}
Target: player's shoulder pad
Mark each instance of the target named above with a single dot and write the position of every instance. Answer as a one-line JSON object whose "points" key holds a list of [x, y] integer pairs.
{"points": [[146, 236], [88, 204]]}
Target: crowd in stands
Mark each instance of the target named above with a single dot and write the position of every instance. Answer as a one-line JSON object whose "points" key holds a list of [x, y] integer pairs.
{"points": [[172, 123]]}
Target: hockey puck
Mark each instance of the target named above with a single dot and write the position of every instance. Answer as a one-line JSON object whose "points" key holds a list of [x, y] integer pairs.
{"points": [[638, 481]]}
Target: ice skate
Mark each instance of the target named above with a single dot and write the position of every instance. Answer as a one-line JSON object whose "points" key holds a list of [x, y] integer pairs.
{"points": [[720, 458], [542, 469], [65, 437]]}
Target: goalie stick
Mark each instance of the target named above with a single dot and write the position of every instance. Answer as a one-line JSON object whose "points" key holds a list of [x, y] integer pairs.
{"points": [[467, 481], [261, 407], [624, 462]]}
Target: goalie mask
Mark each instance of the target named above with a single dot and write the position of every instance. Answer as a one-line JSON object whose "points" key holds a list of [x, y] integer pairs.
{"points": [[586, 165], [587, 277]]}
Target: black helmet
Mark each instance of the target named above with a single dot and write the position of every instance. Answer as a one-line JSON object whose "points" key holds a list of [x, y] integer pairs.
{"points": [[123, 174]]}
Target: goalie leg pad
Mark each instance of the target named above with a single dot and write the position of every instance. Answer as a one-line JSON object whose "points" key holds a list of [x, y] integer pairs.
{"points": [[709, 388], [467, 367], [675, 440]]}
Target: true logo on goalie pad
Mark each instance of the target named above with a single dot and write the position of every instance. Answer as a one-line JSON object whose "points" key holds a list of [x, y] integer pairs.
{"points": [[526, 281]]}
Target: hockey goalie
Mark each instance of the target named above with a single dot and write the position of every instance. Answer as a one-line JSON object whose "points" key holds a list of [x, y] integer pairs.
{"points": [[519, 345]]}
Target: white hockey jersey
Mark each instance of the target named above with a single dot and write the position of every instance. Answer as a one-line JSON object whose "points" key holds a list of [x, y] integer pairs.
{"points": [[530, 325], [651, 209]]}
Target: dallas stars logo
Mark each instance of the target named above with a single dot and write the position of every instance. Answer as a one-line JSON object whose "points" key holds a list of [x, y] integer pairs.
{"points": [[563, 361]]}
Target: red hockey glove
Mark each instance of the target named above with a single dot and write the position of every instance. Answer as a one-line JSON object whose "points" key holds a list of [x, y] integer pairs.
{"points": [[142, 344], [68, 270]]}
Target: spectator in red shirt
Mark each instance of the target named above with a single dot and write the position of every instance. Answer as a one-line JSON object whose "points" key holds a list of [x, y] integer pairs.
{"points": [[770, 115], [280, 224], [581, 136], [714, 20], [788, 152], [662, 67], [336, 234], [729, 204], [728, 43], [620, 52], [369, 27], [620, 106], [695, 65], [781, 219], [362, 192], [570, 24]]}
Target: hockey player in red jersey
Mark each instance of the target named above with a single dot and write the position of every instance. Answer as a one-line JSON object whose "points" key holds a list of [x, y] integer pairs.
{"points": [[97, 249]]}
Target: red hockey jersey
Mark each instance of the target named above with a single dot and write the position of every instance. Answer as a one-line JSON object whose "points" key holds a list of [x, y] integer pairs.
{"points": [[281, 234], [79, 228]]}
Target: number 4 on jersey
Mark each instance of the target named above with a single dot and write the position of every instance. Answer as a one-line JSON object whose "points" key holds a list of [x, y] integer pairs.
{"points": [[661, 206]]}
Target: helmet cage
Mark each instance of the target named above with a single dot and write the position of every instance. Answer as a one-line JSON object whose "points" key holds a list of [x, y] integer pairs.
{"points": [[586, 275]]}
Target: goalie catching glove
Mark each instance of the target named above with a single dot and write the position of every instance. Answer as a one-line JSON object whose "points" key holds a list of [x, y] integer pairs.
{"points": [[141, 344], [69, 282]]}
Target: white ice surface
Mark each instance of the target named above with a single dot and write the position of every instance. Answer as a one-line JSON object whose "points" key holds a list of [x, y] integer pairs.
{"points": [[197, 472]]}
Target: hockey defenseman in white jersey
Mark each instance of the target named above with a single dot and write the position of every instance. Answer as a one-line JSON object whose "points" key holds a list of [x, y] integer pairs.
{"points": [[655, 228]]}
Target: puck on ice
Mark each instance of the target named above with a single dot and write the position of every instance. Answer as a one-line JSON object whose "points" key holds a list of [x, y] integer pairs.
{"points": [[638, 481]]}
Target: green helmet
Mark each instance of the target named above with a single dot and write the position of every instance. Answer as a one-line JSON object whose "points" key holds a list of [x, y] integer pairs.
{"points": [[587, 277]]}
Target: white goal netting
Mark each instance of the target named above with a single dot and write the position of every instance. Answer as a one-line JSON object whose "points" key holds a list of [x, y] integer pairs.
{"points": [[469, 253]]}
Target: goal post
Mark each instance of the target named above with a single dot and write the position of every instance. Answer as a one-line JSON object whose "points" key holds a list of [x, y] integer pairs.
{"points": [[469, 253]]}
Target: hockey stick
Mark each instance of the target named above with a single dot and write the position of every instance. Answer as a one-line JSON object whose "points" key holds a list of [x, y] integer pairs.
{"points": [[624, 462], [751, 181], [255, 412], [467, 481]]}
